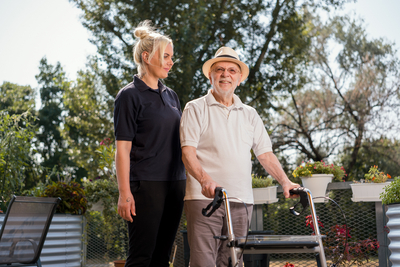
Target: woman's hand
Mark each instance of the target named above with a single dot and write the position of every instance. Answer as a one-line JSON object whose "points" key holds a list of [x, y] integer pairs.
{"points": [[126, 207]]}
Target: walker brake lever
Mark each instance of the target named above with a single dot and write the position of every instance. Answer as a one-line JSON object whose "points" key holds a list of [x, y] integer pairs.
{"points": [[215, 204], [303, 199]]}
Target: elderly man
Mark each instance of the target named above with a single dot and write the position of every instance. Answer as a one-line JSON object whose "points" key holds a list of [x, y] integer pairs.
{"points": [[217, 134]]}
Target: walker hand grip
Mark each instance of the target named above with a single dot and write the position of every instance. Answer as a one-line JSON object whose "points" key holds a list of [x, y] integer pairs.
{"points": [[215, 204], [297, 191], [303, 199]]}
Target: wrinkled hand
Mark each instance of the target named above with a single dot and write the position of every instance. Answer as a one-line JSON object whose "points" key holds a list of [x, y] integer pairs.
{"points": [[126, 207], [208, 188], [287, 187]]}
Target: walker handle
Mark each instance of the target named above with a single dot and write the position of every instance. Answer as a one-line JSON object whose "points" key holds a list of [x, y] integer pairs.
{"points": [[215, 204], [301, 191]]}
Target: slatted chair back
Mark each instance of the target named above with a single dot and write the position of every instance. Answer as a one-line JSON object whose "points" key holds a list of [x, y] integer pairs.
{"points": [[24, 230]]}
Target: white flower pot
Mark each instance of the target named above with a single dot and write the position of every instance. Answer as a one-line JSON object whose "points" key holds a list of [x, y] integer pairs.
{"points": [[317, 183], [265, 195], [367, 192]]}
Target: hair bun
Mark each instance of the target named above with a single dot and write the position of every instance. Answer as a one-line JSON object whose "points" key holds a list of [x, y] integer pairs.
{"points": [[141, 32]]}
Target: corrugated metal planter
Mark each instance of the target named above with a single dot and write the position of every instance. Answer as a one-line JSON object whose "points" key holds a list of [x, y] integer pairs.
{"points": [[317, 183], [265, 195], [367, 192], [393, 214], [64, 244]]}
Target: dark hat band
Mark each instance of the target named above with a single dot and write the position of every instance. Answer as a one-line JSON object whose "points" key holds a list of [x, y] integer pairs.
{"points": [[227, 56]]}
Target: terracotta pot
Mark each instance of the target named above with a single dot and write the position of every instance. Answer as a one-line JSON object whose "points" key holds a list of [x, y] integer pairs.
{"points": [[119, 263]]}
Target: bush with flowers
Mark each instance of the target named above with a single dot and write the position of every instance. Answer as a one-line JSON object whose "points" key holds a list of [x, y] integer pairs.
{"points": [[319, 167], [342, 248], [376, 176]]}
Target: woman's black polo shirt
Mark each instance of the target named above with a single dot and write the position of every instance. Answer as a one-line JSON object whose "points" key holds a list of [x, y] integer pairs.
{"points": [[150, 120]]}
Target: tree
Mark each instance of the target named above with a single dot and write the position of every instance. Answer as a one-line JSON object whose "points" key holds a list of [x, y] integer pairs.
{"points": [[16, 152], [50, 144], [271, 36], [16, 99], [382, 152], [348, 99], [88, 120]]}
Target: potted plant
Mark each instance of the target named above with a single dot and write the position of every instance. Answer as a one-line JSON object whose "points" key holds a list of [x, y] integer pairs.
{"points": [[391, 197], [73, 199], [369, 189], [264, 190], [317, 175]]}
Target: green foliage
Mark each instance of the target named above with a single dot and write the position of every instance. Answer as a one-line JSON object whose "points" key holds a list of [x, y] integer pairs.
{"points": [[391, 192], [51, 145], [107, 158], [16, 99], [109, 239], [319, 167], [73, 199], [16, 133], [376, 176], [89, 120], [348, 92], [383, 152], [104, 191], [272, 37], [259, 182]]}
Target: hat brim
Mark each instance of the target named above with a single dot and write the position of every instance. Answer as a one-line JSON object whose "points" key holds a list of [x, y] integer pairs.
{"points": [[243, 67]]}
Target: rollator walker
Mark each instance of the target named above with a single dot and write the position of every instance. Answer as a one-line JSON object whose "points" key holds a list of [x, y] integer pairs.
{"points": [[267, 244]]}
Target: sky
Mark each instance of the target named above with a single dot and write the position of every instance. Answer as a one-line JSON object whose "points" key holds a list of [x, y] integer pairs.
{"points": [[33, 29]]}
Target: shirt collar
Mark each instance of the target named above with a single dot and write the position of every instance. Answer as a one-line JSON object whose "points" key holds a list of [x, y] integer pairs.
{"points": [[237, 103], [142, 86]]}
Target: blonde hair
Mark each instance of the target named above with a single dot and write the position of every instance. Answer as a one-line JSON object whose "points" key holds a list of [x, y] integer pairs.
{"points": [[149, 40]]}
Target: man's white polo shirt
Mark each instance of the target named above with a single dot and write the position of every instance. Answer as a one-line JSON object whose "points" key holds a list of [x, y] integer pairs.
{"points": [[223, 138]]}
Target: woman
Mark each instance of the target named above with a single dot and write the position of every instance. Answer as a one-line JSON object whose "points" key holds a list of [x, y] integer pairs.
{"points": [[151, 175]]}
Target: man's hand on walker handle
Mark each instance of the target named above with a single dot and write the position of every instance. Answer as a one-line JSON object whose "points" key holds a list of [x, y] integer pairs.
{"points": [[287, 187], [126, 207], [208, 187]]}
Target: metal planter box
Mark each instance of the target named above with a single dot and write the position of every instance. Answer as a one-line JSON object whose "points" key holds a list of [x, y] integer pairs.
{"points": [[393, 214]]}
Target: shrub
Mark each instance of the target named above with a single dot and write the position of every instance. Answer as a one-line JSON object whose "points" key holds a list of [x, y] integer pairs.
{"points": [[73, 199], [391, 192], [259, 182]]}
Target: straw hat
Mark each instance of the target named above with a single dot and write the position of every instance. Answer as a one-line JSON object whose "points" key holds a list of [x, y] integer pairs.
{"points": [[226, 54]]}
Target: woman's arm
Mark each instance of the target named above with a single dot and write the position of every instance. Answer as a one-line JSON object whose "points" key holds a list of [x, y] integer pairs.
{"points": [[126, 202]]}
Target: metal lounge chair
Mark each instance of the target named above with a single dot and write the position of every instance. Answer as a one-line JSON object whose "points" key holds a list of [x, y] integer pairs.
{"points": [[24, 230]]}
